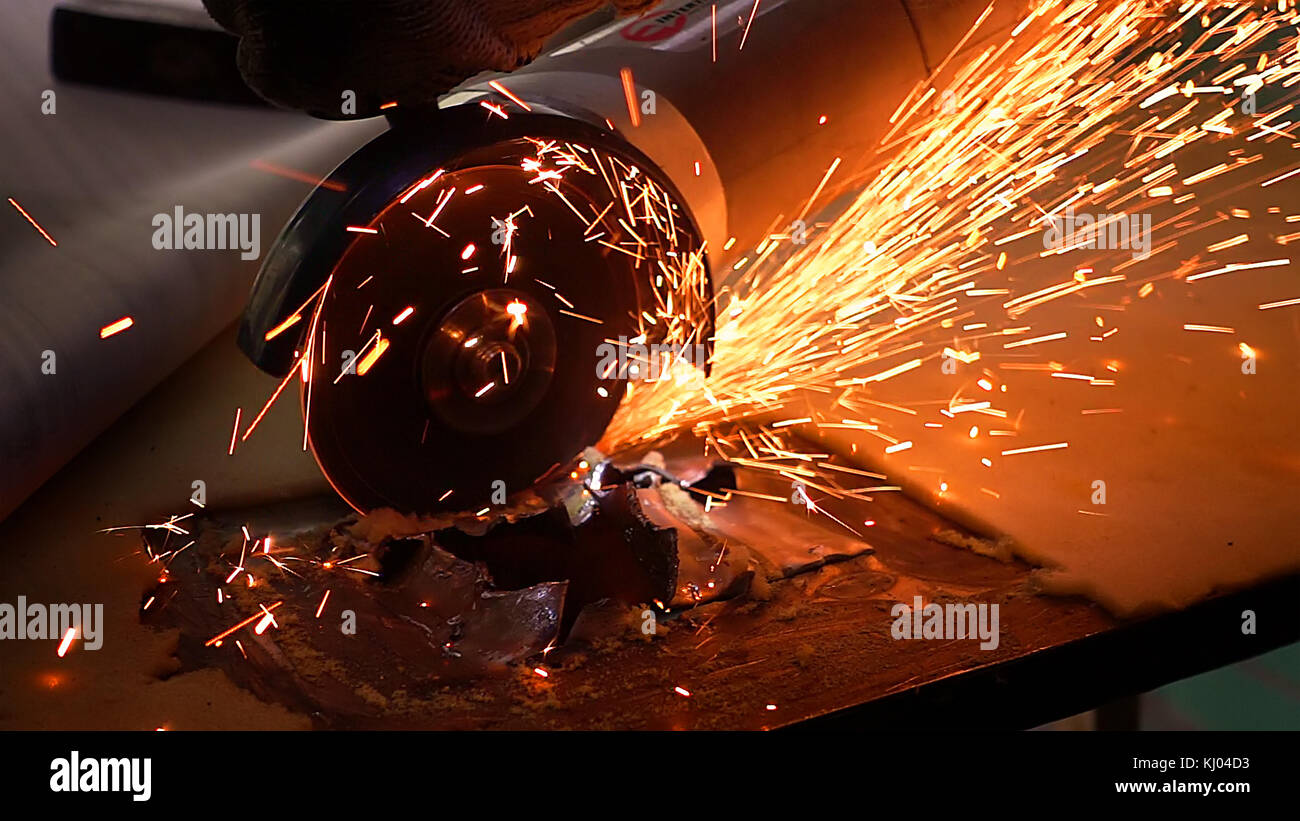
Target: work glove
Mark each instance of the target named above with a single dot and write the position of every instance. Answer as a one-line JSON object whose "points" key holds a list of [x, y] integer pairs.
{"points": [[308, 54]]}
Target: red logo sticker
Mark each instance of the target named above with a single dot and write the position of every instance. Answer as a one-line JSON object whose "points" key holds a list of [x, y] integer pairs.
{"points": [[649, 31]]}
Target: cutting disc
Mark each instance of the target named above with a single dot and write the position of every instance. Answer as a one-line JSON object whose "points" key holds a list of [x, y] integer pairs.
{"points": [[453, 354]]}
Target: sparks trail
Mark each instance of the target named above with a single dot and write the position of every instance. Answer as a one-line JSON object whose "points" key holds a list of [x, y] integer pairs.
{"points": [[1081, 108]]}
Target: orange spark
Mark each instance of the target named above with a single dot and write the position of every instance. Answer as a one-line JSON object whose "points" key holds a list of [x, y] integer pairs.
{"points": [[116, 327], [234, 432], [714, 20], [255, 617], [494, 109], [745, 36], [289, 173], [283, 326], [629, 94], [1036, 448], [34, 223], [67, 641], [505, 92]]}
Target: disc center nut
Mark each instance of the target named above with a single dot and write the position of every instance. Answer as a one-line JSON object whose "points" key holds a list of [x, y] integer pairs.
{"points": [[495, 362]]}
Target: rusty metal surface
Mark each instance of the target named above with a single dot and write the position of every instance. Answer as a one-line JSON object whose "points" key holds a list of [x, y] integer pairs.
{"points": [[807, 637]]}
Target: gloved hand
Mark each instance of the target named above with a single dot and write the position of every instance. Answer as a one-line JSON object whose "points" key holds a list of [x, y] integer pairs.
{"points": [[306, 53]]}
